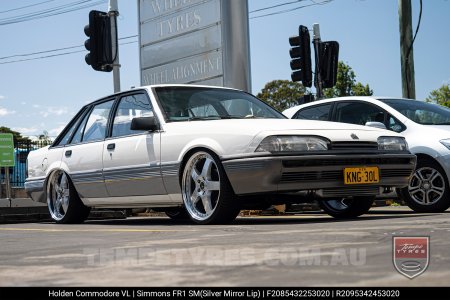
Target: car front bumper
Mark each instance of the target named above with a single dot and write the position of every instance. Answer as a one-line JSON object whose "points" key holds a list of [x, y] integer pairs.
{"points": [[323, 174], [35, 189]]}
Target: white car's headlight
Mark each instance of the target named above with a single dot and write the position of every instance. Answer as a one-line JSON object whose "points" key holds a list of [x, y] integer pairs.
{"points": [[446, 143], [392, 143], [292, 143]]}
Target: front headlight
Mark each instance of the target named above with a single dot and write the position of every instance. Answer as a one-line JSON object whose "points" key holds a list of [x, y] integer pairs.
{"points": [[446, 143], [292, 143], [392, 143]]}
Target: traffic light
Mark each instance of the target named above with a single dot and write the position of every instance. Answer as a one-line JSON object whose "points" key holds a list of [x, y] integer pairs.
{"points": [[329, 56], [301, 57], [99, 41]]}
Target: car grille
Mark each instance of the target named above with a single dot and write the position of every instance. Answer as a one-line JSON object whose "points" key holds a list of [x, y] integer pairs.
{"points": [[288, 177], [354, 146], [363, 161]]}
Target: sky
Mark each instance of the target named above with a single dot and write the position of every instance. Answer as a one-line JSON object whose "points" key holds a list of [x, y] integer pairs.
{"points": [[43, 94]]}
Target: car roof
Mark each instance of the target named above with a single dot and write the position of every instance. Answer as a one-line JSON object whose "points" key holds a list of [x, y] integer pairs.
{"points": [[150, 87]]}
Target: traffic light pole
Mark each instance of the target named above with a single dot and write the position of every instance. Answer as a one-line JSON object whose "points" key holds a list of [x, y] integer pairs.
{"points": [[113, 12], [316, 41]]}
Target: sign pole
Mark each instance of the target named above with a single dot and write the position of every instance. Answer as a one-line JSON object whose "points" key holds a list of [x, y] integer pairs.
{"points": [[8, 186], [7, 159], [113, 12]]}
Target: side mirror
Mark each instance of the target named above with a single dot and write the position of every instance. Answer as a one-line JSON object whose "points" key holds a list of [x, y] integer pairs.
{"points": [[144, 124], [376, 125]]}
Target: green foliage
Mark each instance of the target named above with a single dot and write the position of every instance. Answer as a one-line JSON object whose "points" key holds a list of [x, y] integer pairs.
{"points": [[282, 94], [346, 84], [17, 135], [440, 96]]}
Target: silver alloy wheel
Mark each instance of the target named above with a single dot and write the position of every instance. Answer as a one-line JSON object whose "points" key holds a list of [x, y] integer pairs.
{"points": [[427, 186], [58, 195], [201, 186]]}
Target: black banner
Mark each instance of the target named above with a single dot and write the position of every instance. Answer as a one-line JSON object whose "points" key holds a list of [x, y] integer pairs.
{"points": [[251, 293]]}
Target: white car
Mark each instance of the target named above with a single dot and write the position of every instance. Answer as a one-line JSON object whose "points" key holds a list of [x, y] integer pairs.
{"points": [[207, 152], [425, 126]]}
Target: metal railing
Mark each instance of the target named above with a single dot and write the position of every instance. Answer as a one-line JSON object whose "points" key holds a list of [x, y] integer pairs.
{"points": [[18, 173]]}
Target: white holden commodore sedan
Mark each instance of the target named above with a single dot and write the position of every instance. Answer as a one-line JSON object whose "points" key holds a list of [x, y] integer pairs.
{"points": [[205, 153]]}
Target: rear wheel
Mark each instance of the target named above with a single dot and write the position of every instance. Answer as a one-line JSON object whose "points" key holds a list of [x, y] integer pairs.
{"points": [[207, 193], [63, 202], [347, 208], [428, 188]]}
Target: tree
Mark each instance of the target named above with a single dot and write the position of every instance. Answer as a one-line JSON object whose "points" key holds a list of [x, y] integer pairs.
{"points": [[282, 94], [346, 84], [44, 139], [440, 96], [18, 138]]}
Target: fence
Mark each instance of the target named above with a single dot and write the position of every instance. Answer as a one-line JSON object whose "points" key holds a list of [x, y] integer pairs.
{"points": [[18, 173]]}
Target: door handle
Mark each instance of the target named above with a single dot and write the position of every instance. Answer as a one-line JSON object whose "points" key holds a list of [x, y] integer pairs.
{"points": [[111, 146], [68, 153]]}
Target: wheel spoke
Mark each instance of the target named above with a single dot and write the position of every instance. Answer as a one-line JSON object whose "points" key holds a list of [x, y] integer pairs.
{"points": [[414, 189], [58, 205], [206, 171], [427, 197], [435, 174], [213, 185], [420, 176], [194, 174], [194, 197], [207, 205]]}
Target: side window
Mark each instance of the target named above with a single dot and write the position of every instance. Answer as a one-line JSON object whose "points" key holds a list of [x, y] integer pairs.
{"points": [[319, 112], [67, 136], [395, 125], [96, 123], [359, 113], [79, 133], [130, 107]]}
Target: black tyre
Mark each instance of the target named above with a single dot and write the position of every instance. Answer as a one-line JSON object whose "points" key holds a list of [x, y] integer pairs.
{"points": [[177, 213], [347, 208], [63, 202], [207, 193], [428, 189]]}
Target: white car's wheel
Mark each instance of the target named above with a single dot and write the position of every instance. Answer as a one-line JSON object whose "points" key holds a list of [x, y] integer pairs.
{"points": [[347, 208], [63, 202], [177, 213], [428, 189], [207, 193]]}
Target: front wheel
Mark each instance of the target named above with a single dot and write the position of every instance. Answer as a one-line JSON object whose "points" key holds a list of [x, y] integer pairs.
{"points": [[428, 190], [207, 193], [177, 213], [63, 202], [347, 208]]}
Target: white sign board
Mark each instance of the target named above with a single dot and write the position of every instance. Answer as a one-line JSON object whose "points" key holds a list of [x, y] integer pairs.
{"points": [[194, 41]]}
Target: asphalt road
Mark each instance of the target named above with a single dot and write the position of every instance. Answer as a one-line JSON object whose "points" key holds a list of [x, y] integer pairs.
{"points": [[303, 250]]}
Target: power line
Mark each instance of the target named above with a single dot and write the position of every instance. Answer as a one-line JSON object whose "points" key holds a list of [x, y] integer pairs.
{"points": [[59, 10], [58, 54], [275, 6], [291, 9], [55, 50], [27, 6]]}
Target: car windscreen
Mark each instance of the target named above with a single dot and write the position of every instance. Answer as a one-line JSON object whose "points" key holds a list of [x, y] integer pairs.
{"points": [[198, 103], [421, 112]]}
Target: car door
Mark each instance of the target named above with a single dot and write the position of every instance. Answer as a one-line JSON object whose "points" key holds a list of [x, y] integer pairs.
{"points": [[83, 156], [131, 159]]}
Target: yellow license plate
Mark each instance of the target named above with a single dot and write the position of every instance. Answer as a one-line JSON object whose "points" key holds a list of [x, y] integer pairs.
{"points": [[363, 175]]}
